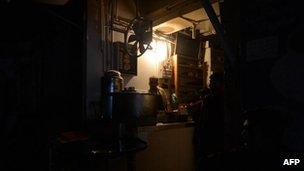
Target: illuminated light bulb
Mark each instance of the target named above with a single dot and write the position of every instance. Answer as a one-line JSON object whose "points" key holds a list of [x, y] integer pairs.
{"points": [[158, 53]]}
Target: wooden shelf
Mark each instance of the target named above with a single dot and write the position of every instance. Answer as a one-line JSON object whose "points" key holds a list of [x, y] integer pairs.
{"points": [[191, 67], [188, 77], [187, 57], [190, 86]]}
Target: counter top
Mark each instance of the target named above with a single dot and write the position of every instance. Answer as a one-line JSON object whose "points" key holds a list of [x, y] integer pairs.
{"points": [[165, 126], [164, 132]]}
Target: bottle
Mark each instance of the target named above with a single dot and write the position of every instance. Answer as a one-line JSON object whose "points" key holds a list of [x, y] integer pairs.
{"points": [[153, 83]]}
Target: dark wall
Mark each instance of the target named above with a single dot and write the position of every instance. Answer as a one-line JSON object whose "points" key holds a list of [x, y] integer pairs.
{"points": [[264, 34], [265, 40], [95, 58], [41, 78]]}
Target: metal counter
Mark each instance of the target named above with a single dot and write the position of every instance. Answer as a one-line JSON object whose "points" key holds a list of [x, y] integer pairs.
{"points": [[166, 126]]}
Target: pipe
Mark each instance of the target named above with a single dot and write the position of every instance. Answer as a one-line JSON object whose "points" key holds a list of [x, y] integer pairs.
{"points": [[118, 22], [118, 30], [196, 21], [163, 39], [159, 34]]}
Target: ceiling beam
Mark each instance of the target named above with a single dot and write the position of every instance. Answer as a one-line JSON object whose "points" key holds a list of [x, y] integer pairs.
{"points": [[167, 10], [53, 2], [164, 14]]}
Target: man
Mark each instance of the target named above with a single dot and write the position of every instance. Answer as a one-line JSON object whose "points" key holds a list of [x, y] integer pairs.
{"points": [[210, 125]]}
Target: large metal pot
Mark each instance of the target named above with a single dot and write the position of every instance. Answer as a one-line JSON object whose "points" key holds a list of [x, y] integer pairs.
{"points": [[129, 105]]}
